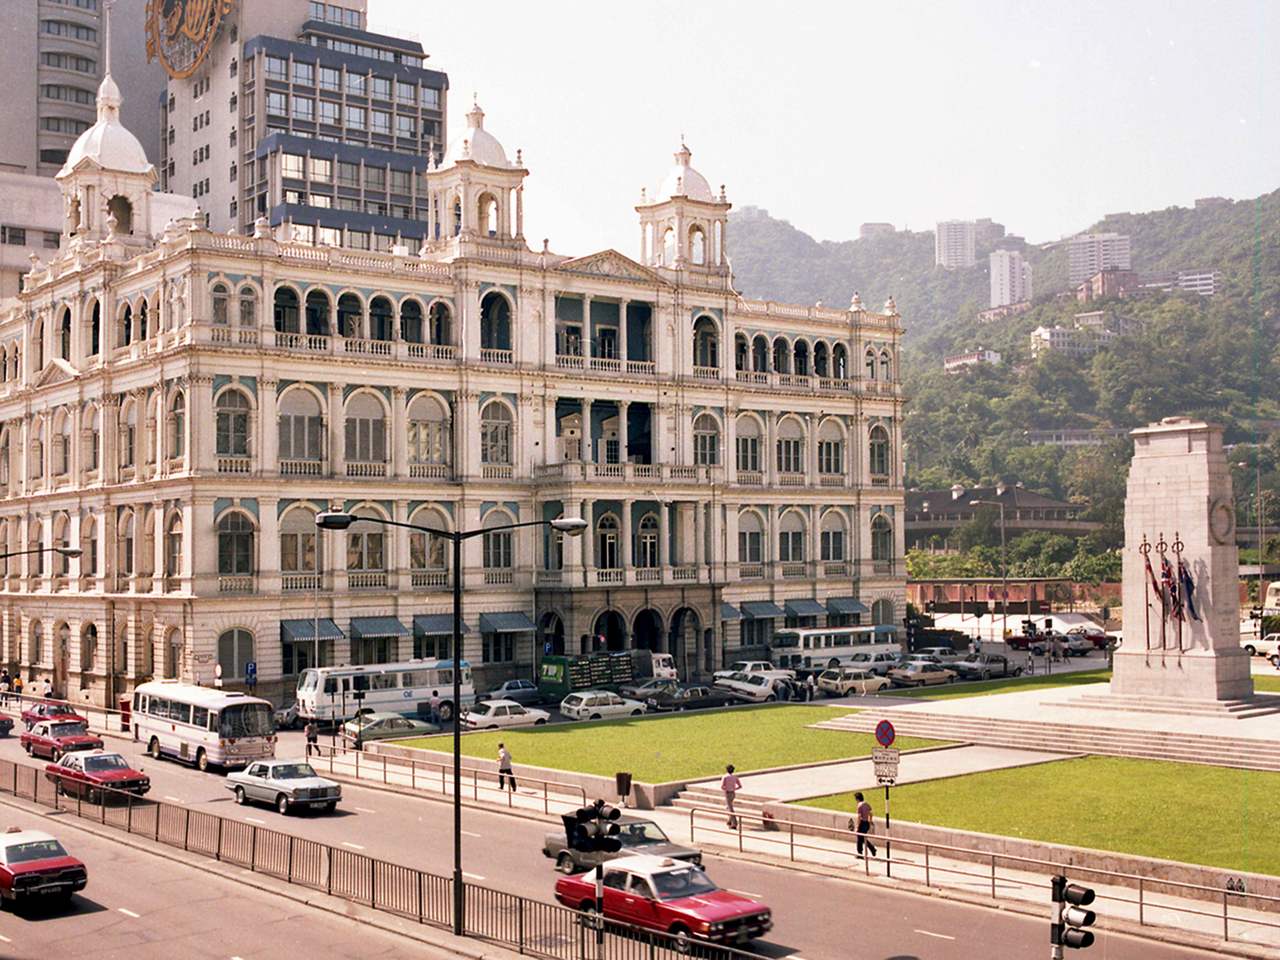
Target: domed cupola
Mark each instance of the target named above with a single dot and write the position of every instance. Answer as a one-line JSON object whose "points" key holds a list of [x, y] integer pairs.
{"points": [[107, 178], [683, 226], [476, 192]]}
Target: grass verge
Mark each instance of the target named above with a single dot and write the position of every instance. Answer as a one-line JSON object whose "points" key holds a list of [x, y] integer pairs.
{"points": [[685, 746], [985, 688], [1190, 813]]}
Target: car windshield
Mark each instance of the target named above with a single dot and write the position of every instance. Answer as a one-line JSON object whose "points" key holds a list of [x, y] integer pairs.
{"points": [[65, 729], [110, 761], [574, 701], [292, 771], [32, 851], [246, 720], [971, 658], [686, 882], [640, 834]]}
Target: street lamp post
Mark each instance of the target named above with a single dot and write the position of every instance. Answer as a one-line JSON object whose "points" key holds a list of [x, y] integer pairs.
{"points": [[574, 526], [1004, 571]]}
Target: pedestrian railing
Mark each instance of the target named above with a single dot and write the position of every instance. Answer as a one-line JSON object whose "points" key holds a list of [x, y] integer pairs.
{"points": [[436, 776], [1231, 911], [533, 927]]}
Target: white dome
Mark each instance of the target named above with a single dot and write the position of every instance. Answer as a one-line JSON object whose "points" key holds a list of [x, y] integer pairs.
{"points": [[477, 144], [684, 181], [107, 143]]}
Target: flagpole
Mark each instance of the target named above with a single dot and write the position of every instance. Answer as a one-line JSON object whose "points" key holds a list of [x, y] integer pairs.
{"points": [[1145, 550]]}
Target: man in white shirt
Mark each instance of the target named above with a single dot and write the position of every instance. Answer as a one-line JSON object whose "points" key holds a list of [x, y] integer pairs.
{"points": [[730, 784]]}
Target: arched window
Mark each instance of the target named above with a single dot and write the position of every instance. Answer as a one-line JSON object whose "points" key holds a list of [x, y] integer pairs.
{"points": [[6, 472], [366, 429], [301, 430], [64, 335], [839, 362], [411, 321], [37, 347], [35, 543], [235, 649], [495, 434], [381, 319], [871, 364], [233, 409], [125, 336], [430, 433], [741, 352], [221, 305], [646, 547], [173, 654], [487, 215], [89, 544], [878, 452], [706, 343], [178, 426], [366, 544], [881, 539], [760, 355], [173, 545], [35, 450], [124, 543], [143, 312], [748, 441], [248, 307], [317, 313], [820, 359], [607, 551], [428, 552], [833, 549], [285, 310], [790, 446], [706, 441], [88, 647], [235, 545], [61, 444], [93, 439], [697, 245], [791, 538], [750, 538], [498, 551], [886, 366], [495, 322], [882, 612], [298, 545], [441, 323], [668, 247], [350, 317], [781, 355], [830, 450], [800, 355], [95, 330], [37, 642]]}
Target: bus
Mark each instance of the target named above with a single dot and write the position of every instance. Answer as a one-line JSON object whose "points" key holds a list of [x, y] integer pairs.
{"points": [[334, 694], [202, 726], [816, 648]]}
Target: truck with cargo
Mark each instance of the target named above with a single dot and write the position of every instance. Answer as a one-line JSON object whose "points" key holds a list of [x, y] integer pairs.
{"points": [[559, 676]]}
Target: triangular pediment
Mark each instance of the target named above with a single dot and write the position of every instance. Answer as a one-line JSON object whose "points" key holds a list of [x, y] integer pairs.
{"points": [[610, 263], [56, 371]]}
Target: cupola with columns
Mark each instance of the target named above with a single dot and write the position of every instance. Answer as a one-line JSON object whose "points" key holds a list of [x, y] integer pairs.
{"points": [[684, 225], [475, 192]]}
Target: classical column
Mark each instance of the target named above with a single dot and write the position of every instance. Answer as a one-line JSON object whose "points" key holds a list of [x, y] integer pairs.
{"points": [[698, 555], [769, 455], [268, 427], [664, 536], [399, 433], [623, 407], [588, 539], [622, 333], [627, 535], [588, 443]]}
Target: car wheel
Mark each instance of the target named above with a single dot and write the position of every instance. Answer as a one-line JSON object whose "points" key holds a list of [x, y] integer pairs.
{"points": [[240, 797], [58, 787], [97, 796], [153, 748], [1017, 671], [1275, 659], [331, 806], [683, 941], [951, 678], [446, 712], [540, 722], [1250, 650], [594, 716], [27, 747], [202, 761], [919, 683], [770, 699], [636, 713], [565, 864], [55, 755], [282, 804], [986, 674]]}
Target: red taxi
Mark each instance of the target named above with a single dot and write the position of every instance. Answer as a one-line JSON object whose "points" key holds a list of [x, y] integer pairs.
{"points": [[34, 865], [53, 738], [50, 710], [670, 896], [96, 775]]}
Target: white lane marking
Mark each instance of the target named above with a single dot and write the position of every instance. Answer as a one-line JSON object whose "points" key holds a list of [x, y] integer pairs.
{"points": [[175, 800], [470, 834], [365, 810], [252, 820], [5, 939], [473, 876], [940, 936], [353, 846], [746, 893], [130, 913]]}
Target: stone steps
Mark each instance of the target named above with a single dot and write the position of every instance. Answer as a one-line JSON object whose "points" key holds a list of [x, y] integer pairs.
{"points": [[711, 797], [1106, 741]]}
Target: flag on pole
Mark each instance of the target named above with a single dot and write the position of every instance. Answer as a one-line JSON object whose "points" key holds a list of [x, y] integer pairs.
{"points": [[1170, 582], [1188, 588], [1155, 584]]}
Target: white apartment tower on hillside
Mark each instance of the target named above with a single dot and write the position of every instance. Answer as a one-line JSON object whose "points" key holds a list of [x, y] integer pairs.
{"points": [[953, 243], [1010, 278], [1091, 253]]}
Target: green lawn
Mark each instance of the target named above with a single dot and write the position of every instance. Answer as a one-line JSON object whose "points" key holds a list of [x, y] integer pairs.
{"points": [[1265, 684], [1038, 682], [684, 746], [1191, 813]]}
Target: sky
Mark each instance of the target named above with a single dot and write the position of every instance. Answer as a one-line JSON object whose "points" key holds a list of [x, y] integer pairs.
{"points": [[1044, 116]]}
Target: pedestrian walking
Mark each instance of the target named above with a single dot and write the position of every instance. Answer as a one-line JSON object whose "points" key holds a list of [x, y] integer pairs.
{"points": [[864, 824], [730, 784], [6, 685], [504, 768], [435, 707], [808, 688], [47, 692], [313, 738]]}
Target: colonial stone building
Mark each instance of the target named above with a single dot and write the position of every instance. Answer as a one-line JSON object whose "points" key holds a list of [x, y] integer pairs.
{"points": [[182, 404]]}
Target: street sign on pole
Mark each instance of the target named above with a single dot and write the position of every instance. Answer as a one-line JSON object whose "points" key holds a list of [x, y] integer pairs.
{"points": [[885, 761], [885, 733]]}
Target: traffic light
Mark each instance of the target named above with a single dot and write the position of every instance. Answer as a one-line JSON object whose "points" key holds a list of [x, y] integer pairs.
{"points": [[1069, 916], [1028, 628], [979, 610], [593, 829]]}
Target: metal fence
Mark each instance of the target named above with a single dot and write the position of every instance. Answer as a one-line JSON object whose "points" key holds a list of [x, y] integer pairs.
{"points": [[1149, 901], [531, 926]]}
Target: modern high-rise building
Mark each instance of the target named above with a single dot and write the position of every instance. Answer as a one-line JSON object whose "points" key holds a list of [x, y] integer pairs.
{"points": [[181, 403], [953, 243], [1091, 253], [1010, 278], [292, 110], [54, 54]]}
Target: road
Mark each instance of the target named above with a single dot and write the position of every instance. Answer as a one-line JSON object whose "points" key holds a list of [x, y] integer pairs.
{"points": [[504, 852]]}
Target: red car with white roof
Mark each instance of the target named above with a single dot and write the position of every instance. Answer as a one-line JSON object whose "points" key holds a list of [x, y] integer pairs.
{"points": [[33, 865], [53, 738], [670, 896], [50, 710]]}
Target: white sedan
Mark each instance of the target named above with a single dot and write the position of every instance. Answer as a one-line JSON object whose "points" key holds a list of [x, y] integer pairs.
{"points": [[598, 705], [492, 714]]}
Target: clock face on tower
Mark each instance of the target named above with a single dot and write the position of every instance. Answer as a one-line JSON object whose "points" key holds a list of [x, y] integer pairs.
{"points": [[181, 32]]}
